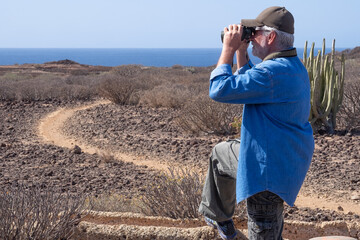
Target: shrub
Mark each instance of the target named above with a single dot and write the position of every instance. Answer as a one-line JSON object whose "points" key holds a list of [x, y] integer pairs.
{"points": [[7, 93], [167, 95], [35, 213], [123, 85], [349, 114], [177, 66], [118, 91], [113, 202], [203, 115], [174, 195], [47, 87], [127, 70], [178, 195]]}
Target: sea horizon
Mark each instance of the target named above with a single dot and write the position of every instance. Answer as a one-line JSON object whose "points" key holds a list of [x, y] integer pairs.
{"points": [[153, 57]]}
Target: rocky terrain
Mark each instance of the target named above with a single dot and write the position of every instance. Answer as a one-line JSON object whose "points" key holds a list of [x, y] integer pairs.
{"points": [[334, 172], [25, 158], [331, 191], [147, 131]]}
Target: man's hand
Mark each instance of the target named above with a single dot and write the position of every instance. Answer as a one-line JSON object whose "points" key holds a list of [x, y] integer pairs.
{"points": [[232, 43], [232, 37]]}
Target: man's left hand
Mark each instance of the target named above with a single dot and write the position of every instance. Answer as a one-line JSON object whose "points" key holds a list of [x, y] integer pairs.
{"points": [[232, 43]]}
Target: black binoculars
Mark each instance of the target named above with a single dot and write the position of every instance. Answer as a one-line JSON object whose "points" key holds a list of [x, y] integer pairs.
{"points": [[246, 35]]}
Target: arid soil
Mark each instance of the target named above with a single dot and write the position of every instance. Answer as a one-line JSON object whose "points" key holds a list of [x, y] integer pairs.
{"points": [[25, 158], [147, 140], [334, 173]]}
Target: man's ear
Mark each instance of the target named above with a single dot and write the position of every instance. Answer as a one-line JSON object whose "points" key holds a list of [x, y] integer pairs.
{"points": [[271, 38]]}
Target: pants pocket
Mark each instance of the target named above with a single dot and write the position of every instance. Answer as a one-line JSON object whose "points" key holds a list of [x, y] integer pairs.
{"points": [[260, 226]]}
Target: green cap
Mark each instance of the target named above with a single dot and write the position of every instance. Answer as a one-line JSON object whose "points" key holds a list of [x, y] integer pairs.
{"points": [[276, 17]]}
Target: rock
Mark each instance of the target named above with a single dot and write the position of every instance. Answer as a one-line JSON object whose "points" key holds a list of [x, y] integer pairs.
{"points": [[340, 208], [355, 197], [77, 149]]}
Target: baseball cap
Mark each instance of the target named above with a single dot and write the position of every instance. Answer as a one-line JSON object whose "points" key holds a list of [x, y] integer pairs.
{"points": [[277, 17]]}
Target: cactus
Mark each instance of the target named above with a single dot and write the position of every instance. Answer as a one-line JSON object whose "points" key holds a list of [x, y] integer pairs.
{"points": [[327, 86]]}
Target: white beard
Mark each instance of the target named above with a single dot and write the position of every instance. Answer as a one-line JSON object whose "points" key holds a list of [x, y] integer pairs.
{"points": [[260, 50]]}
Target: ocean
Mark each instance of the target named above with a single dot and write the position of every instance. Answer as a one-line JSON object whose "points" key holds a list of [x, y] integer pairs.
{"points": [[158, 57]]}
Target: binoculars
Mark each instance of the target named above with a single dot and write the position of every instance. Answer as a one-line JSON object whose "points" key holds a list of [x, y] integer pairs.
{"points": [[246, 35]]}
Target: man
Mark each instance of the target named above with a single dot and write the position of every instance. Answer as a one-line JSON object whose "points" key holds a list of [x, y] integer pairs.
{"points": [[276, 138]]}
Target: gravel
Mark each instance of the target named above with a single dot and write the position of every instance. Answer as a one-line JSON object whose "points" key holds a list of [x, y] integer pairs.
{"points": [[334, 172]]}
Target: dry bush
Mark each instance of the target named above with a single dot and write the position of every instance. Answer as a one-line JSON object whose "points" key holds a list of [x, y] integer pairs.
{"points": [[167, 95], [7, 93], [175, 87], [14, 77], [119, 91], [127, 70], [175, 195], [109, 158], [35, 213], [123, 84], [47, 87], [177, 66], [178, 195], [71, 93], [203, 115], [352, 66], [349, 114], [113, 202]]}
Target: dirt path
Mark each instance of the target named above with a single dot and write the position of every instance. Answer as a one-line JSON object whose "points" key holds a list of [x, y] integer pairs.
{"points": [[323, 203], [50, 130]]}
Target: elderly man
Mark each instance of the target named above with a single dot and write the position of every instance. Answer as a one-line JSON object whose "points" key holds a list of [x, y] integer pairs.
{"points": [[276, 138]]}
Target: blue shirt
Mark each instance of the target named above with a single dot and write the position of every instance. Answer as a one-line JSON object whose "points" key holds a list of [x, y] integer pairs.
{"points": [[276, 137]]}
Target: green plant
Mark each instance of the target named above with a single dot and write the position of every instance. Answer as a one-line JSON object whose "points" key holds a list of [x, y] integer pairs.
{"points": [[236, 124], [327, 87]]}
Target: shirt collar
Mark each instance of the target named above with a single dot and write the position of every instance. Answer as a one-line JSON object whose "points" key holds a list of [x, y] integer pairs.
{"points": [[285, 53]]}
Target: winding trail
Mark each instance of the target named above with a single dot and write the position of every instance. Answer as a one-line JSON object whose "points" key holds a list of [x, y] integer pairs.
{"points": [[50, 130]]}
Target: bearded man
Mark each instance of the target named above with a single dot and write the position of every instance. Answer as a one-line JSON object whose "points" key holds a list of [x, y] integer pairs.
{"points": [[276, 143]]}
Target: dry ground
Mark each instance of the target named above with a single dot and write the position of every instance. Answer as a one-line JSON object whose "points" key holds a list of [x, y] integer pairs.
{"points": [[149, 135], [37, 142]]}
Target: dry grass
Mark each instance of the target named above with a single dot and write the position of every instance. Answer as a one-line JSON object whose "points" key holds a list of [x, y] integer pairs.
{"points": [[36, 213], [203, 115], [348, 117], [48, 86], [167, 95], [176, 195], [114, 202]]}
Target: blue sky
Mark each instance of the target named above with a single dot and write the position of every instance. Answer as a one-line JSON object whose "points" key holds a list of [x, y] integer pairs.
{"points": [[163, 23]]}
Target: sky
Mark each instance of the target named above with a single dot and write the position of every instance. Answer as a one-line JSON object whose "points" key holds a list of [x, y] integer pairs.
{"points": [[164, 23]]}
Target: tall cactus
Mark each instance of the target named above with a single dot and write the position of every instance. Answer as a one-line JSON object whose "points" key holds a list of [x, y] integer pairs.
{"points": [[327, 86]]}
